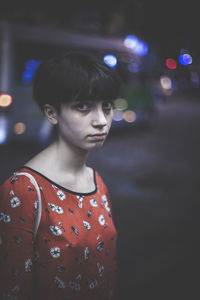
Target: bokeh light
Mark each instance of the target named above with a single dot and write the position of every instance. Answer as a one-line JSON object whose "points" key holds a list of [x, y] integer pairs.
{"points": [[3, 129], [185, 59], [130, 41], [166, 82], [45, 130], [194, 78], [171, 63], [19, 128], [141, 48], [129, 116], [5, 100], [110, 60], [31, 66], [134, 67], [138, 46], [117, 115], [121, 104]]}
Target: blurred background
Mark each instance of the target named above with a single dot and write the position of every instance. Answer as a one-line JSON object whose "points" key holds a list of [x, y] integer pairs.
{"points": [[150, 161]]}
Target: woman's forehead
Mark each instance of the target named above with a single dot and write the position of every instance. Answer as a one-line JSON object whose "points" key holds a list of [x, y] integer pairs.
{"points": [[89, 101]]}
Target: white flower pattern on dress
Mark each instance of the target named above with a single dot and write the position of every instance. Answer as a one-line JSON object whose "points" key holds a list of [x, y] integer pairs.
{"points": [[80, 198], [100, 246], [100, 269], [56, 208], [86, 253], [14, 202], [101, 220], [36, 204], [1, 216], [59, 283], [87, 225], [92, 283], [74, 285], [13, 179], [28, 265], [75, 230], [17, 239], [105, 201], [55, 230], [55, 252], [5, 218], [61, 195], [93, 202], [12, 193]]}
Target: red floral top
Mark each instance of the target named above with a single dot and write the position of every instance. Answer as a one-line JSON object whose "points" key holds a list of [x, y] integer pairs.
{"points": [[73, 254]]}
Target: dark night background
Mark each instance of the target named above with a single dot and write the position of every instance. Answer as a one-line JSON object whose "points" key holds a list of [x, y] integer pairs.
{"points": [[151, 167], [168, 25]]}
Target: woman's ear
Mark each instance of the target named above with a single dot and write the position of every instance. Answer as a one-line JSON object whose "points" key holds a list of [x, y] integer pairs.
{"points": [[51, 114]]}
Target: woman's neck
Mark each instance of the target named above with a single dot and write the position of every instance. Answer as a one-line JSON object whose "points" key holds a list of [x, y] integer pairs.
{"points": [[60, 157], [65, 166], [67, 157]]}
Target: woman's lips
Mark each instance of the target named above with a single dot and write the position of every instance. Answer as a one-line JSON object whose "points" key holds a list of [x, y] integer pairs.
{"points": [[97, 137]]}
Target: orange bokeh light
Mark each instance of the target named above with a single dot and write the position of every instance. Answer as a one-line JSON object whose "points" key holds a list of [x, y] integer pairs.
{"points": [[129, 116], [5, 100], [19, 128]]}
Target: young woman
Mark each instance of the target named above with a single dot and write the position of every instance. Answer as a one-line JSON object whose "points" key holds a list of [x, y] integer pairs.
{"points": [[73, 253]]}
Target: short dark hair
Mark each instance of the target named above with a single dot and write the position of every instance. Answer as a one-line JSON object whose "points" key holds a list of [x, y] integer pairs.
{"points": [[74, 76]]}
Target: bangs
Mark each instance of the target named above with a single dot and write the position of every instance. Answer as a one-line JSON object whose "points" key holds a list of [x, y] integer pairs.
{"points": [[92, 85], [75, 77]]}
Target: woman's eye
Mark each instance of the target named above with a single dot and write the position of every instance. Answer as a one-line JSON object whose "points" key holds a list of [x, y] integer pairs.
{"points": [[82, 107], [107, 105]]}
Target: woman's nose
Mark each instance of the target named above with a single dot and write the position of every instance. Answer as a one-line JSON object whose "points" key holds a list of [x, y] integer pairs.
{"points": [[99, 118]]}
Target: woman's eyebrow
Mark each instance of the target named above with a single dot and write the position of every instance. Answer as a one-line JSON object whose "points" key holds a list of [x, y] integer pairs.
{"points": [[82, 102]]}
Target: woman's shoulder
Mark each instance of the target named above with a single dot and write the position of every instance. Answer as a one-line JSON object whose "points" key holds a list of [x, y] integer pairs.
{"points": [[100, 181], [16, 182], [18, 200]]}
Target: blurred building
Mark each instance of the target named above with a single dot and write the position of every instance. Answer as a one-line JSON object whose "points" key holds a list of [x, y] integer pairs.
{"points": [[23, 47]]}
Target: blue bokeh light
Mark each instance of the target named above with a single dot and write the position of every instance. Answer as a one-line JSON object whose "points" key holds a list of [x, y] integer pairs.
{"points": [[185, 59], [3, 129], [138, 46], [141, 48], [31, 66], [110, 60], [130, 41]]}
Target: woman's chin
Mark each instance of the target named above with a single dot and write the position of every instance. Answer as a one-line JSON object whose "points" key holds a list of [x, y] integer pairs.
{"points": [[96, 145]]}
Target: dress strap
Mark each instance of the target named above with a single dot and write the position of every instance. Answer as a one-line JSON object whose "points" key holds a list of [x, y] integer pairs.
{"points": [[39, 208]]}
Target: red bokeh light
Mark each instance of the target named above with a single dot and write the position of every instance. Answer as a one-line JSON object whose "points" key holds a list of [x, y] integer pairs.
{"points": [[171, 63]]}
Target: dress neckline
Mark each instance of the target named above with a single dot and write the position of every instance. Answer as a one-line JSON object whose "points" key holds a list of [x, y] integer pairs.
{"points": [[60, 186]]}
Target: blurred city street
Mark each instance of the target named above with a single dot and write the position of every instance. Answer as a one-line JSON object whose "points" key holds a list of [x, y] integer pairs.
{"points": [[153, 175], [154, 179]]}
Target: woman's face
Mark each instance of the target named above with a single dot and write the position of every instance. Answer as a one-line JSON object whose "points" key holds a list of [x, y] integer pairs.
{"points": [[85, 125]]}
